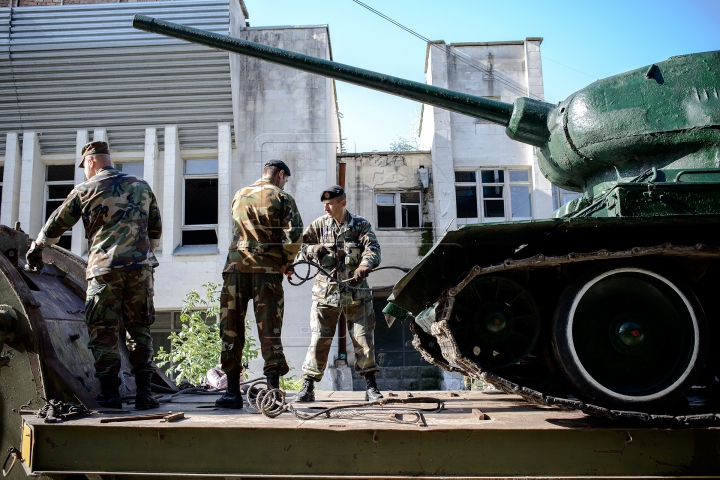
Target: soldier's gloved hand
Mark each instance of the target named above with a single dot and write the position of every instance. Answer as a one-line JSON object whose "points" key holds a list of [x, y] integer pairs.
{"points": [[34, 257], [320, 252], [361, 273]]}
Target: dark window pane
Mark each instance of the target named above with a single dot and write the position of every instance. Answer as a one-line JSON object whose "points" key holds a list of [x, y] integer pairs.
{"points": [[2, 172], [387, 339], [494, 208], [0, 198], [492, 176], [56, 173], [410, 197], [65, 242], [465, 177], [492, 192], [50, 207], [389, 359], [410, 216], [162, 321], [414, 359], [59, 191], [386, 216], [201, 201], [466, 202], [199, 237]]}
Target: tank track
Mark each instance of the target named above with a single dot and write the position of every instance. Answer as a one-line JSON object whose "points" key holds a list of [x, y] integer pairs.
{"points": [[454, 361]]}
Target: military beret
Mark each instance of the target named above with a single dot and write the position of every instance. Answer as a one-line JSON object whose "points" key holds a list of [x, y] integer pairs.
{"points": [[332, 192], [93, 148], [280, 164]]}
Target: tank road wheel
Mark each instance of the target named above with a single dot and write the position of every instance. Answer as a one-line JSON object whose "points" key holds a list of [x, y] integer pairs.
{"points": [[629, 338], [495, 322]]}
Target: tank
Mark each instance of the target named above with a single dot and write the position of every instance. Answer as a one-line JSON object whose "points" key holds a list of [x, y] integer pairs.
{"points": [[612, 300], [43, 338]]}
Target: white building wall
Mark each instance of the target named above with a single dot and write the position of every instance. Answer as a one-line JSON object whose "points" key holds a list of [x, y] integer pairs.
{"points": [[499, 70]]}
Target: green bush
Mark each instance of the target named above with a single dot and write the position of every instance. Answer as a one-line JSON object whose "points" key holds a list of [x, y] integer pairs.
{"points": [[196, 348]]}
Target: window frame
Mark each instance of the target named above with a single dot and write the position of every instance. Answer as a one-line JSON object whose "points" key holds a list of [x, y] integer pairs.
{"points": [[206, 226], [506, 184], [398, 207], [46, 195]]}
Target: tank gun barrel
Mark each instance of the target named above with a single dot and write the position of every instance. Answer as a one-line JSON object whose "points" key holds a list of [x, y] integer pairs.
{"points": [[525, 120]]}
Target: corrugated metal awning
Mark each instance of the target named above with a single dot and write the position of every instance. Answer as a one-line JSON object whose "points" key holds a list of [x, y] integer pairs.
{"points": [[74, 67]]}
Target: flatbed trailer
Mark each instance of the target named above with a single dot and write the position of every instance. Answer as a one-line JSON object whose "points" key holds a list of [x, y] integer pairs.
{"points": [[477, 435]]}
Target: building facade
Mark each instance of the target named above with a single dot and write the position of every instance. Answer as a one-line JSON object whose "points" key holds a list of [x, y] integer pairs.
{"points": [[481, 175], [195, 123]]}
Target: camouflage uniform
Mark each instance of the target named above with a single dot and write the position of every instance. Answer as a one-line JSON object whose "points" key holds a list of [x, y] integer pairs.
{"points": [[266, 236], [121, 220], [352, 243]]}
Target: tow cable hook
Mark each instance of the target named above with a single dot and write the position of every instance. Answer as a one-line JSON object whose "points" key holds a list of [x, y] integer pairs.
{"points": [[15, 454]]}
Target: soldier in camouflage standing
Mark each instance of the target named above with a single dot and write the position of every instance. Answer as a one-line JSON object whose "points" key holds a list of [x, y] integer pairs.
{"points": [[122, 225], [345, 243], [267, 231]]}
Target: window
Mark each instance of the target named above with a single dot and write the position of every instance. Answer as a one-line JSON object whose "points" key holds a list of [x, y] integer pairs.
{"points": [[493, 195], [135, 169], [59, 182], [200, 202], [562, 196], [398, 209]]}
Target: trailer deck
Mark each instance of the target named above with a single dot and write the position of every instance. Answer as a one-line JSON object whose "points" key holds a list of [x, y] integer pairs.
{"points": [[516, 440]]}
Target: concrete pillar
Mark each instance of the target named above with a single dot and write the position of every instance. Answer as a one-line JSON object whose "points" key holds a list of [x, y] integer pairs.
{"points": [[100, 135], [151, 159], [11, 181], [172, 191], [30, 210], [78, 244], [542, 188], [442, 152], [225, 193]]}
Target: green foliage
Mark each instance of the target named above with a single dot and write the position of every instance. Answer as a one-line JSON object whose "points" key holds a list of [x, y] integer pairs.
{"points": [[290, 383], [196, 348], [427, 239]]}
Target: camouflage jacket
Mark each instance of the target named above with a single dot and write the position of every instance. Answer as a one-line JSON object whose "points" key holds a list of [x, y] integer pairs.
{"points": [[267, 230], [121, 220], [352, 243]]}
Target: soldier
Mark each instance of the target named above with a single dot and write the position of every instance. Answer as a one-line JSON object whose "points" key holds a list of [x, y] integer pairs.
{"points": [[346, 244], [122, 225], [267, 231]]}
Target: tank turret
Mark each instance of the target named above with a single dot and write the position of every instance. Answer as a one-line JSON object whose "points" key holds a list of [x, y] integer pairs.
{"points": [[666, 115]]}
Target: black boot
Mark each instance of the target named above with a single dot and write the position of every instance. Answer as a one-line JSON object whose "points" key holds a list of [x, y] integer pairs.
{"points": [[144, 399], [273, 379], [307, 392], [110, 395], [371, 393], [232, 398]]}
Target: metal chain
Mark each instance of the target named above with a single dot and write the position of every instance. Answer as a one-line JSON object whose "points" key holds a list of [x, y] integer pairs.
{"points": [[56, 410], [451, 352], [271, 403]]}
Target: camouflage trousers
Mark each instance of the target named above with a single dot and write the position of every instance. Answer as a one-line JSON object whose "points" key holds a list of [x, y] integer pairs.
{"points": [[266, 292], [121, 298], [323, 323]]}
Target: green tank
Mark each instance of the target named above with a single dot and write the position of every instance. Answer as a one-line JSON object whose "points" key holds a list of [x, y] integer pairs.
{"points": [[611, 301]]}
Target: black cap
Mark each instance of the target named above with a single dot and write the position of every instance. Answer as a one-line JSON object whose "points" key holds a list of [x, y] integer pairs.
{"points": [[280, 164], [93, 148], [332, 192]]}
